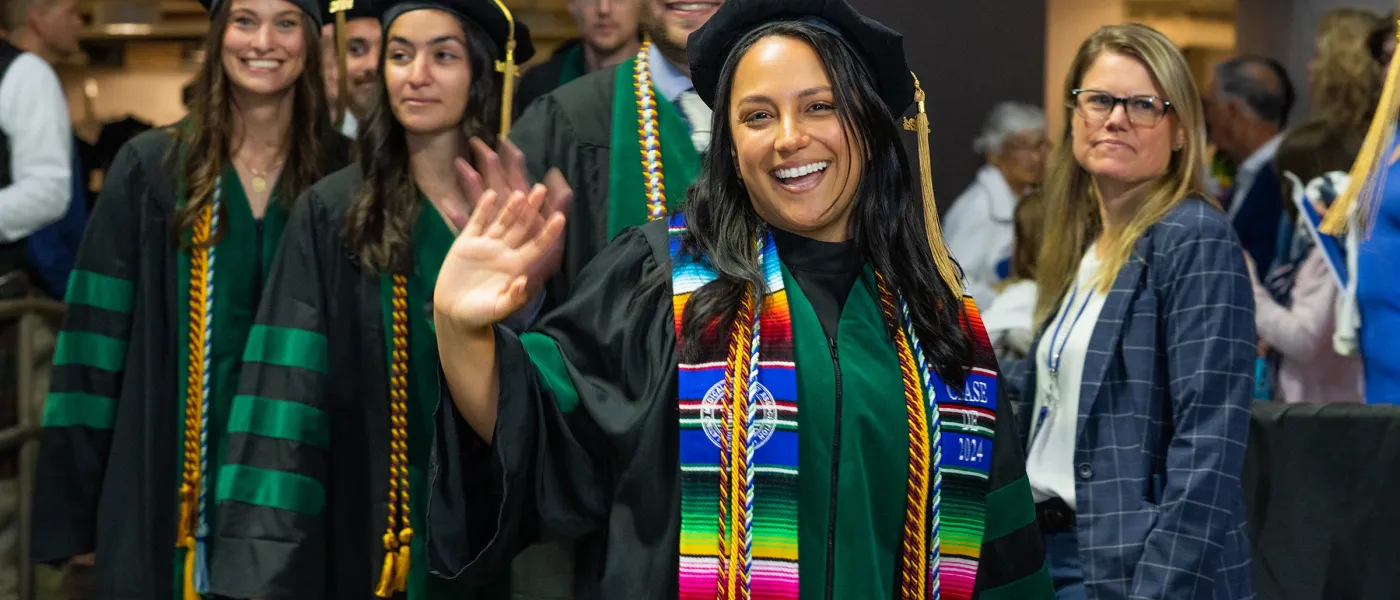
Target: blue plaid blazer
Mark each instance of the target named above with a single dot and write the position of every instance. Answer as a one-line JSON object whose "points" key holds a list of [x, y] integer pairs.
{"points": [[1164, 417]]}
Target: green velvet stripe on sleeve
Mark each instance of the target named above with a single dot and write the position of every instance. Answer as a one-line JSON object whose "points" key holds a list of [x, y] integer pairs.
{"points": [[279, 419], [554, 373], [86, 349], [76, 409], [1036, 586], [286, 347], [1008, 509], [273, 489], [99, 291]]}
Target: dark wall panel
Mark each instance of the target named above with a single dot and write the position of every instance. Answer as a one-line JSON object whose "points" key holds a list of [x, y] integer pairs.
{"points": [[969, 55]]}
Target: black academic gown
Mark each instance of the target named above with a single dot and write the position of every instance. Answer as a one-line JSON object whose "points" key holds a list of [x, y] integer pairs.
{"points": [[109, 462], [564, 66], [306, 508], [571, 129], [586, 441]]}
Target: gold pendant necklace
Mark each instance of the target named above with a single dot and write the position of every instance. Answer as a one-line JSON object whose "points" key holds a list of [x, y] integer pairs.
{"points": [[260, 176]]}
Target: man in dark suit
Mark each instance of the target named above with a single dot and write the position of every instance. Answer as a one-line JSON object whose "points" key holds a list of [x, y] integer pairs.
{"points": [[1247, 110]]}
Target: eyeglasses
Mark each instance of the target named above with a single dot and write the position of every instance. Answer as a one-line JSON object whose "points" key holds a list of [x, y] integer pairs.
{"points": [[1143, 111]]}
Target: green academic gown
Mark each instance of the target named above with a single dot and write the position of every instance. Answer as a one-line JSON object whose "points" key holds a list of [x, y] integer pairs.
{"points": [[110, 455], [588, 130], [304, 496], [586, 440]]}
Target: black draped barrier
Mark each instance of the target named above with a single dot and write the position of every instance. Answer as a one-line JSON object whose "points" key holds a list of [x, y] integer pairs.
{"points": [[1322, 489]]}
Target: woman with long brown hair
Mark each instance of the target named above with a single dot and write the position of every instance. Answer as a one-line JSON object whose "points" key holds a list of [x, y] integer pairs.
{"points": [[342, 389], [781, 391], [1345, 76], [161, 302], [1136, 400]]}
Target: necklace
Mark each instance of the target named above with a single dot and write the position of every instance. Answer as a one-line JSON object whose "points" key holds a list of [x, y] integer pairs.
{"points": [[260, 176]]}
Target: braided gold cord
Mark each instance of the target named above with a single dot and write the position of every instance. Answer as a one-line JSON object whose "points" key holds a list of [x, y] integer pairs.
{"points": [[733, 460], [397, 559], [190, 476], [914, 547], [656, 194]]}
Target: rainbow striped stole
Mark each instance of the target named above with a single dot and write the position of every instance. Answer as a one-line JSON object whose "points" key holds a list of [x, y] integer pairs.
{"points": [[772, 506], [738, 537]]}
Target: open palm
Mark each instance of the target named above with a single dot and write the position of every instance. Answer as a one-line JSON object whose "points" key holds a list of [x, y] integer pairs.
{"points": [[492, 267]]}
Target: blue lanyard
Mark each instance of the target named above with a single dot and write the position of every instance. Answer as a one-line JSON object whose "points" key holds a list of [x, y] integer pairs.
{"points": [[1055, 353]]}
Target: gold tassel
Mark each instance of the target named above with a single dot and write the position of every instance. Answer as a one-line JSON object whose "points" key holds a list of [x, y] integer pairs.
{"points": [[1367, 176], [405, 560], [941, 259], [338, 7], [508, 70], [385, 589], [189, 592]]}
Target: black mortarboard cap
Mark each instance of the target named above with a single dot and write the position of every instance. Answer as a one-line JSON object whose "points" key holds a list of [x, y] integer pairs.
{"points": [[312, 8], [509, 36], [879, 47], [489, 15]]}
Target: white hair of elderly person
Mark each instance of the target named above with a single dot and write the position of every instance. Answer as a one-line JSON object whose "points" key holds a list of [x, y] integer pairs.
{"points": [[978, 227]]}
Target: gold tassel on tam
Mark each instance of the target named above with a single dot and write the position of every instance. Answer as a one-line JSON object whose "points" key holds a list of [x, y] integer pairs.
{"points": [[944, 262], [509, 71], [338, 7], [1362, 196]]}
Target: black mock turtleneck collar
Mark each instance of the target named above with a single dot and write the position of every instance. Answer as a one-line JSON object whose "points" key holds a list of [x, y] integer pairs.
{"points": [[806, 254]]}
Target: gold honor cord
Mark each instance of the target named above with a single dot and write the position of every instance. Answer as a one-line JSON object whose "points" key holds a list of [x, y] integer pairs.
{"points": [[339, 8], [919, 125], [508, 70], [1362, 196]]}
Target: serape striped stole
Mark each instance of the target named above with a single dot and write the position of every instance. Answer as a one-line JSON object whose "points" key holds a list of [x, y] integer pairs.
{"points": [[739, 510]]}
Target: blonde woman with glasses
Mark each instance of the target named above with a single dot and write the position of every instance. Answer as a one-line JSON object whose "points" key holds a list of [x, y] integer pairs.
{"points": [[1135, 397]]}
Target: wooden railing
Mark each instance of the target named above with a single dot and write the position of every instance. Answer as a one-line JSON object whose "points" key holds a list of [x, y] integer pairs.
{"points": [[30, 312]]}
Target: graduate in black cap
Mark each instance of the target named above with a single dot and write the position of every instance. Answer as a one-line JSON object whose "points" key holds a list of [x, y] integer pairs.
{"points": [[161, 300], [324, 491], [780, 391], [353, 39], [627, 137]]}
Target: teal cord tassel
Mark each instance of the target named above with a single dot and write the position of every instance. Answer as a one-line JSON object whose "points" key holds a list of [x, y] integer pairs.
{"points": [[201, 567]]}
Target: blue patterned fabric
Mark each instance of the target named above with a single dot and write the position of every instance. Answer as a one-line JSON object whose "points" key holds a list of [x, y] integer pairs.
{"points": [[1164, 417]]}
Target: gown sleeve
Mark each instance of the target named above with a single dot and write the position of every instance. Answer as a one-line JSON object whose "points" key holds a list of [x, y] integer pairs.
{"points": [[89, 361], [270, 539], [1013, 560], [580, 396]]}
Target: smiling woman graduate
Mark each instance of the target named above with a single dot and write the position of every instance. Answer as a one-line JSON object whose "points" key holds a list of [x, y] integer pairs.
{"points": [[780, 391], [162, 298], [329, 439]]}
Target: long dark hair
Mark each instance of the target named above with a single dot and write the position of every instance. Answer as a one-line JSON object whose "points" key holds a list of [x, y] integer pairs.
{"points": [[205, 141], [379, 223], [887, 219]]}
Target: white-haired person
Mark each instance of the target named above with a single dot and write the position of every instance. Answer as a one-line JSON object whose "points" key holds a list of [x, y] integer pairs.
{"points": [[979, 226]]}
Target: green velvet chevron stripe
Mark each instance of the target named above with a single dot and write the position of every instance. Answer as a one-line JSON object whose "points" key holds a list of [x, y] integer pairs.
{"points": [[88, 290]]}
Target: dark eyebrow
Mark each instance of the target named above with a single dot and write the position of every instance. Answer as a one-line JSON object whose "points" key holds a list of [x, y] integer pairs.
{"points": [[807, 93], [437, 40]]}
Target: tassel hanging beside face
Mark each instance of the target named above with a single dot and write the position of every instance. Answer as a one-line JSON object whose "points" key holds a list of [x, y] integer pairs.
{"points": [[919, 125]]}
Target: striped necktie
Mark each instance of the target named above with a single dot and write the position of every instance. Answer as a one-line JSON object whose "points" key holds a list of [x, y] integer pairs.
{"points": [[699, 116]]}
